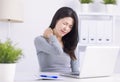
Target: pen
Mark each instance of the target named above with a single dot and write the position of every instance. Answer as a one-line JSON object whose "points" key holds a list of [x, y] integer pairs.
{"points": [[49, 76]]}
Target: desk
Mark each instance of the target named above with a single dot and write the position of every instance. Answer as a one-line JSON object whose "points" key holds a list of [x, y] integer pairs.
{"points": [[28, 77]]}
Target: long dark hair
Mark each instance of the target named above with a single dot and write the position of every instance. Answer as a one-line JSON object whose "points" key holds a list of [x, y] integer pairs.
{"points": [[70, 40]]}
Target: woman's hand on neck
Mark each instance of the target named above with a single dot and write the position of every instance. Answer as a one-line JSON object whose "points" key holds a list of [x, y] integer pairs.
{"points": [[48, 32]]}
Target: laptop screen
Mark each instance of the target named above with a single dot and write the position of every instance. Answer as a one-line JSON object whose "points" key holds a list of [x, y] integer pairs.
{"points": [[99, 61]]}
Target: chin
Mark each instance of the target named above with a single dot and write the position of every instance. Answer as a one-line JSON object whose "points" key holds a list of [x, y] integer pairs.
{"points": [[62, 35]]}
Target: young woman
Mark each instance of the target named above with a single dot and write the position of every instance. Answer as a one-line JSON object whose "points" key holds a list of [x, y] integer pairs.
{"points": [[56, 48]]}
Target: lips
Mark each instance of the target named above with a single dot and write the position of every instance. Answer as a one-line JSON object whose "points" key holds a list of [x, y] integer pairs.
{"points": [[63, 32]]}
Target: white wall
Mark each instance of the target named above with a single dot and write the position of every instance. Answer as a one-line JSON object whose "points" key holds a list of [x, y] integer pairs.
{"points": [[37, 17]]}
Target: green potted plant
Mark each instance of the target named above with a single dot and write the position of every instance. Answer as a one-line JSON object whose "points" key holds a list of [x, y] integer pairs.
{"points": [[86, 1], [85, 5], [9, 55], [110, 2], [110, 5]]}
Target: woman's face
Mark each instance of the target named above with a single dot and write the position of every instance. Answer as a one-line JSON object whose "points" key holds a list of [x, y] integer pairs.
{"points": [[63, 26]]}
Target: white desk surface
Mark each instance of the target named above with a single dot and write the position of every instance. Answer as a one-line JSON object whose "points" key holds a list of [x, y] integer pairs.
{"points": [[28, 77]]}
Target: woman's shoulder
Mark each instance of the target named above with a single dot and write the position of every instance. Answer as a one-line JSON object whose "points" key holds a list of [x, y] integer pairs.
{"points": [[39, 38], [42, 39]]}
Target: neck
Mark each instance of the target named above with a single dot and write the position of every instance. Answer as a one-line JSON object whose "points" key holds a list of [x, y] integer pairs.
{"points": [[60, 41], [59, 38]]}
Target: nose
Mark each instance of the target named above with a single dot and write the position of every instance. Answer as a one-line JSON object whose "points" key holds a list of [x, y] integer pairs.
{"points": [[66, 28]]}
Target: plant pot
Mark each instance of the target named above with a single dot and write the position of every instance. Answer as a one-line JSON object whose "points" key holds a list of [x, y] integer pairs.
{"points": [[110, 8], [7, 72], [85, 7]]}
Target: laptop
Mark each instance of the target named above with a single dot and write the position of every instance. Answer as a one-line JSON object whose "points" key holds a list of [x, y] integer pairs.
{"points": [[99, 61]]}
